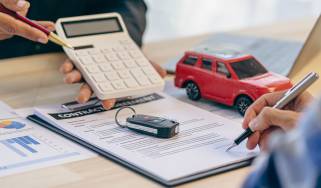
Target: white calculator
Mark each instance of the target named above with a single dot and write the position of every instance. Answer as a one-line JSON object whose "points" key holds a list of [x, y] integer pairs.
{"points": [[109, 60]]}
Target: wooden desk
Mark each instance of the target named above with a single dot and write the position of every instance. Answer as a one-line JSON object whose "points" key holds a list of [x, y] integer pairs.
{"points": [[35, 80]]}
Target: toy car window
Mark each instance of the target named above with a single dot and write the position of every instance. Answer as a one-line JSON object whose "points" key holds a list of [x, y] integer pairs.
{"points": [[191, 60], [207, 64], [221, 68], [248, 68]]}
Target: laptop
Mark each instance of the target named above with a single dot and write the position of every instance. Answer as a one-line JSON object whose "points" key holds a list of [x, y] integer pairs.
{"points": [[310, 49], [279, 56]]}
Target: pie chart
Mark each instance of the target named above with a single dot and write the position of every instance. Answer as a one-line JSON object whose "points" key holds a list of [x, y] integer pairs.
{"points": [[8, 124]]}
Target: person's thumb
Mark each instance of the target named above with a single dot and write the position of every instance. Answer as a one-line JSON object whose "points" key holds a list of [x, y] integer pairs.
{"points": [[269, 116], [16, 5]]}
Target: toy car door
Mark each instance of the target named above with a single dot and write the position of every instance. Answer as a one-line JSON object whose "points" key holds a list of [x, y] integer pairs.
{"points": [[206, 76], [224, 84]]}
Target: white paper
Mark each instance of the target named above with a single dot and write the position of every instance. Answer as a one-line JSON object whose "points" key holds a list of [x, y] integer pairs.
{"points": [[26, 146], [200, 145], [219, 109]]}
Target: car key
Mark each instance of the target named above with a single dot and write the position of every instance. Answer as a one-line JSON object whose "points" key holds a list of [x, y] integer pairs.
{"points": [[150, 125]]}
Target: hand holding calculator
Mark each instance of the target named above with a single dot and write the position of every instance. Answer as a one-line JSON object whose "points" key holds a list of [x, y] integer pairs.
{"points": [[111, 63]]}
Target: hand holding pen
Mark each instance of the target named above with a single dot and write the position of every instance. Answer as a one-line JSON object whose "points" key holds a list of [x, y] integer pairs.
{"points": [[13, 22], [262, 118], [10, 26], [279, 110]]}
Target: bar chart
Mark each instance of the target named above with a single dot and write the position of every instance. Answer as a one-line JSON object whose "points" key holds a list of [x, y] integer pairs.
{"points": [[25, 146], [25, 142], [32, 150]]}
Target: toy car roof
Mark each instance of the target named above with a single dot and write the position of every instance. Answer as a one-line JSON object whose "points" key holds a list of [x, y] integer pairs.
{"points": [[222, 54]]}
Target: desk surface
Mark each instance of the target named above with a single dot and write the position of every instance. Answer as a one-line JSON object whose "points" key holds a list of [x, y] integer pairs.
{"points": [[35, 80]]}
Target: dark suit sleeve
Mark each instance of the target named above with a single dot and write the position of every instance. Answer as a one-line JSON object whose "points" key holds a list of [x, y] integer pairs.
{"points": [[132, 11]]}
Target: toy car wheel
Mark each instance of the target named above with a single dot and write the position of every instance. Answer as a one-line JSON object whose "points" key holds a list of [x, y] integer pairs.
{"points": [[242, 103], [192, 91]]}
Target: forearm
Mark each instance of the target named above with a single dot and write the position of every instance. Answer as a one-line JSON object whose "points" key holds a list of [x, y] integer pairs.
{"points": [[294, 157]]}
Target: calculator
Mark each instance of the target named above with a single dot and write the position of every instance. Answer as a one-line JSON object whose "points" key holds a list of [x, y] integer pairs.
{"points": [[109, 60]]}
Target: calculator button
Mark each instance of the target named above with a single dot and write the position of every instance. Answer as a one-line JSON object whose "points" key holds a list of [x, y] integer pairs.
{"points": [[137, 73], [99, 77], [92, 69], [112, 76], [142, 62], [118, 65], [130, 63], [81, 53], [93, 52], [131, 83], [106, 50], [111, 57], [124, 74], [105, 67], [123, 55], [118, 48], [106, 87], [143, 81], [149, 70], [99, 58], [135, 54], [155, 79], [86, 60], [118, 84]]}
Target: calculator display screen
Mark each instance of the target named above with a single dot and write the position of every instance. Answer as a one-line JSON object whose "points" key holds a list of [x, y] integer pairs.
{"points": [[91, 27]]}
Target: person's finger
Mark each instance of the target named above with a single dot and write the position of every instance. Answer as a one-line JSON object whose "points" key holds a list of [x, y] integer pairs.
{"points": [[84, 94], [4, 36], [15, 5], [265, 137], [66, 67], [300, 102], [73, 77], [12, 26], [159, 69], [108, 104], [266, 100], [269, 116], [48, 25], [253, 140]]}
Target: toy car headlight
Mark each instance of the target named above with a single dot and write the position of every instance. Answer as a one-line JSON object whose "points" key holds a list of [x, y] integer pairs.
{"points": [[271, 89]]}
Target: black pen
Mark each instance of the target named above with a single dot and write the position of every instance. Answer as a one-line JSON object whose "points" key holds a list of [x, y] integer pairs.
{"points": [[291, 94]]}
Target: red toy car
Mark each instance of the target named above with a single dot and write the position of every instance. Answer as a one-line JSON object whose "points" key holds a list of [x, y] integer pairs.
{"points": [[227, 78]]}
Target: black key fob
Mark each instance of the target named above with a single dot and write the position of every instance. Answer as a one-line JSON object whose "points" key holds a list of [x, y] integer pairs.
{"points": [[153, 126]]}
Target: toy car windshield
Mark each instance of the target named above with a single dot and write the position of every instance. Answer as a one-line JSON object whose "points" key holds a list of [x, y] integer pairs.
{"points": [[248, 68]]}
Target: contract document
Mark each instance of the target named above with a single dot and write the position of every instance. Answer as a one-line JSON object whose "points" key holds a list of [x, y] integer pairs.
{"points": [[198, 150]]}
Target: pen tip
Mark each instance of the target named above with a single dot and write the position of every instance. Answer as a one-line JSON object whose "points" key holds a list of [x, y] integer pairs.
{"points": [[70, 47], [229, 148]]}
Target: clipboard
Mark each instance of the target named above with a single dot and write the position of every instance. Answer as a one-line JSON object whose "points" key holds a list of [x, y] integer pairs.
{"points": [[134, 168]]}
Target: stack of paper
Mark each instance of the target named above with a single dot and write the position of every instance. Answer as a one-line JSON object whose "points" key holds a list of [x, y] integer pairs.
{"points": [[198, 150]]}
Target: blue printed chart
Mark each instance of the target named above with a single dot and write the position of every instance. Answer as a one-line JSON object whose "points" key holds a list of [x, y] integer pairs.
{"points": [[27, 149], [24, 142], [25, 146], [9, 124]]}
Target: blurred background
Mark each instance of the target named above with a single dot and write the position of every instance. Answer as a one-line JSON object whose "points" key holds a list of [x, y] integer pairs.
{"points": [[169, 19]]}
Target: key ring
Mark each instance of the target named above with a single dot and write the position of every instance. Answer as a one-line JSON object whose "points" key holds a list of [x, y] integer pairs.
{"points": [[120, 109]]}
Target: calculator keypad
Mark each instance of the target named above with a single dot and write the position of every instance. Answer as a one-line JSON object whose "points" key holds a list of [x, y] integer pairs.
{"points": [[117, 68]]}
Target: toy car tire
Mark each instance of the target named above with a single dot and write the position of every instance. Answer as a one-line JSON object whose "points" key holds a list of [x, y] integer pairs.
{"points": [[242, 103], [193, 92]]}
